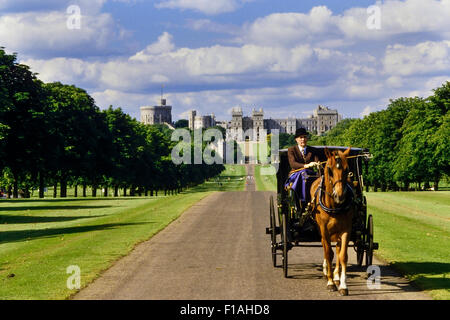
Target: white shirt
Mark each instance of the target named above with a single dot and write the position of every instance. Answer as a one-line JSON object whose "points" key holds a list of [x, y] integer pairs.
{"points": [[301, 150]]}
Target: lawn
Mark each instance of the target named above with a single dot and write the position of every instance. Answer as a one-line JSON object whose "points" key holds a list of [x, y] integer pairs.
{"points": [[41, 238], [413, 230], [265, 178]]}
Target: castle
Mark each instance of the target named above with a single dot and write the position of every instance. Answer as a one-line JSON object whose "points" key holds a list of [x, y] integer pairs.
{"points": [[241, 127], [157, 114]]}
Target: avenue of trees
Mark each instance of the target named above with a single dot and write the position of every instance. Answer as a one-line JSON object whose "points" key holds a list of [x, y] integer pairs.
{"points": [[409, 141], [52, 134]]}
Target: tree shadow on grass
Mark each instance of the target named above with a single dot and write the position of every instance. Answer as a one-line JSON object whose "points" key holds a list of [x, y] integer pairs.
{"points": [[428, 275], [26, 208], [21, 235], [68, 199], [12, 219]]}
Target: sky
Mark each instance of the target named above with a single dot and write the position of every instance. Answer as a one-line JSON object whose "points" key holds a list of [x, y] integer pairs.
{"points": [[285, 56]]}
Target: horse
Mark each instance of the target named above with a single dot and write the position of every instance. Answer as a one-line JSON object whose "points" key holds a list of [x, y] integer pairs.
{"points": [[333, 210]]}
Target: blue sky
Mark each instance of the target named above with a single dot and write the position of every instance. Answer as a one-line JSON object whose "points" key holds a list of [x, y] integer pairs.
{"points": [[284, 56]]}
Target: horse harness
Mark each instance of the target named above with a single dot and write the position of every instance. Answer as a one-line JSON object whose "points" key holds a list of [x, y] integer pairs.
{"points": [[342, 208]]}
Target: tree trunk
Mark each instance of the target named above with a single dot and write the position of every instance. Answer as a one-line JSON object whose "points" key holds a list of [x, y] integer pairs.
{"points": [[84, 190], [63, 187], [405, 186], [105, 193], [124, 191], [436, 183], [9, 192], [75, 191], [15, 187], [94, 190], [55, 189], [116, 191], [41, 185]]}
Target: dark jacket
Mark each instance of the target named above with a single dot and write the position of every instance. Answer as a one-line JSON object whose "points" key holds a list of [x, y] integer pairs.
{"points": [[296, 159]]}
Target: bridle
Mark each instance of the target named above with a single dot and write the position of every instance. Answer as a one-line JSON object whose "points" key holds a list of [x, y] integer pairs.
{"points": [[348, 200]]}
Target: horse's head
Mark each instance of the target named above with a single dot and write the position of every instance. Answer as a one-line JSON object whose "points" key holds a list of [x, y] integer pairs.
{"points": [[336, 173]]}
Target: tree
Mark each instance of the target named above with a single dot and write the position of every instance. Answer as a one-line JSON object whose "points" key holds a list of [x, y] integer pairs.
{"points": [[21, 119], [182, 123], [75, 131]]}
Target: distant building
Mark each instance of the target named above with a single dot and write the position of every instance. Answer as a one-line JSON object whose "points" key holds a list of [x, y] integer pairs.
{"points": [[201, 122], [157, 114], [243, 128], [326, 119]]}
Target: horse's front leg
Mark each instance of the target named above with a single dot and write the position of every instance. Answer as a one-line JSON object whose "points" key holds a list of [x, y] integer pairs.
{"points": [[343, 258], [328, 255], [336, 273]]}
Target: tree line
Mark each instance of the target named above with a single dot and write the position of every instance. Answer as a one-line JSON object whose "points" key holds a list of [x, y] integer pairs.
{"points": [[409, 141], [53, 134]]}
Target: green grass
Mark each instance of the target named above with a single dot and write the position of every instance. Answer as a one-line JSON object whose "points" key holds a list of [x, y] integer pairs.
{"points": [[231, 179], [413, 231], [40, 238], [265, 178]]}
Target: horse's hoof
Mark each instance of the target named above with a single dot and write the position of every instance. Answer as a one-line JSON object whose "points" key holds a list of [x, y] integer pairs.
{"points": [[343, 292], [331, 287], [337, 283]]}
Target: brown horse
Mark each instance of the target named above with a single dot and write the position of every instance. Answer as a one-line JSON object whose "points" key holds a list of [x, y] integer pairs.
{"points": [[332, 203]]}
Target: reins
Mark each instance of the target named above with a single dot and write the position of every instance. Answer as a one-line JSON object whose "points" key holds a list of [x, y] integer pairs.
{"points": [[320, 163]]}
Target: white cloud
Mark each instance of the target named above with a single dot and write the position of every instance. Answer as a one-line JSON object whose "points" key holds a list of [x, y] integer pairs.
{"points": [[288, 60], [46, 34], [163, 45], [367, 110], [424, 58], [289, 29], [321, 26]]}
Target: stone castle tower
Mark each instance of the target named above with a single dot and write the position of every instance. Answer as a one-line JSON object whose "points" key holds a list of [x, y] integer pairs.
{"points": [[156, 114]]}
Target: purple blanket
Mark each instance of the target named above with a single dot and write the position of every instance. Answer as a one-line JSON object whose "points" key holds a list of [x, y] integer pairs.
{"points": [[297, 181]]}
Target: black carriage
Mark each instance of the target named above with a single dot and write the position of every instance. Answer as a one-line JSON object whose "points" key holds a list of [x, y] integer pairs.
{"points": [[296, 225]]}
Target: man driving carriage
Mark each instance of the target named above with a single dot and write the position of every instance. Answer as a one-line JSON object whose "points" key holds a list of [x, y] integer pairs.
{"points": [[302, 157]]}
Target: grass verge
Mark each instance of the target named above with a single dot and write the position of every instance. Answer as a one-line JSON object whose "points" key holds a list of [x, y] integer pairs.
{"points": [[413, 230], [265, 178], [41, 238]]}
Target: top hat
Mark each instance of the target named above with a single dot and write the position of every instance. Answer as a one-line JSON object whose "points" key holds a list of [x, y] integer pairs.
{"points": [[300, 132]]}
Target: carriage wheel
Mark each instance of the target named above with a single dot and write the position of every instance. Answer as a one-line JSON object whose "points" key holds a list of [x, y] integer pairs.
{"points": [[369, 241], [360, 250], [273, 234], [285, 247]]}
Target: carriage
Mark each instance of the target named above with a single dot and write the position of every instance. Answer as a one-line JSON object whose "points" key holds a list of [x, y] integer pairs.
{"points": [[296, 225]]}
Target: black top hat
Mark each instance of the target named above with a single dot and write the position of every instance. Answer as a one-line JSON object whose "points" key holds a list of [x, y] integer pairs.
{"points": [[300, 132]]}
